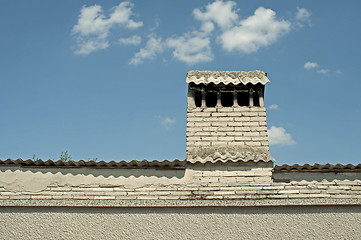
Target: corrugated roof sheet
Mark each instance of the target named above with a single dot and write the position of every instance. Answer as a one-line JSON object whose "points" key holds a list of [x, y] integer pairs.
{"points": [[226, 157], [227, 77], [101, 164], [169, 164], [317, 167]]}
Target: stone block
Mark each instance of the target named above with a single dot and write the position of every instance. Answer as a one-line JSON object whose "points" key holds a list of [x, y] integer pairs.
{"points": [[210, 109], [259, 139], [249, 124], [262, 123], [226, 129], [210, 129], [242, 129], [288, 191], [250, 114], [226, 138], [209, 138], [194, 129], [233, 114], [202, 143], [218, 114], [202, 114], [202, 124], [242, 119], [258, 119], [253, 144], [194, 119], [235, 124], [243, 138], [219, 124], [224, 193], [225, 109], [251, 134]]}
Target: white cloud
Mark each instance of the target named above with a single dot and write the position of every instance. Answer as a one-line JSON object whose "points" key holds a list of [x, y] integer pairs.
{"points": [[274, 106], [303, 14], [191, 48], [167, 122], [279, 136], [310, 65], [258, 30], [150, 51], [133, 40], [86, 47], [93, 26], [323, 71], [338, 71], [219, 12]]}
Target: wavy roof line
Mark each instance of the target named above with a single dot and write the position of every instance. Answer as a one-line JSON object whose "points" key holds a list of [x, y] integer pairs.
{"points": [[227, 77], [170, 164]]}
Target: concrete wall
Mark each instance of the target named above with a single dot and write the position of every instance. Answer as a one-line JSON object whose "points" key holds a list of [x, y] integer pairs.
{"points": [[307, 222]]}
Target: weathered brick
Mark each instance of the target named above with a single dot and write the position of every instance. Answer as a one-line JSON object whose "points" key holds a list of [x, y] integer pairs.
{"points": [[235, 124], [224, 193], [243, 138], [217, 114], [202, 114], [242, 129], [219, 124], [225, 109], [246, 124], [251, 134], [194, 119], [203, 124], [259, 139], [253, 143], [250, 114], [209, 138]]}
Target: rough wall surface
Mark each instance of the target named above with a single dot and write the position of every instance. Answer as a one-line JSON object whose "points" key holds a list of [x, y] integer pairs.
{"points": [[237, 133], [231, 181], [311, 222]]}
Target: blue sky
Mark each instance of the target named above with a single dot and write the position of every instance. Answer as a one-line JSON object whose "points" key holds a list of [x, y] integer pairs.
{"points": [[106, 79]]}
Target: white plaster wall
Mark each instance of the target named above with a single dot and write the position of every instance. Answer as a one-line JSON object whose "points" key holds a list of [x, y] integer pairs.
{"points": [[308, 222]]}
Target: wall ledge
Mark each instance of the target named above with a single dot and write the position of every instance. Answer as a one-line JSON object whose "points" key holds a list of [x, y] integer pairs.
{"points": [[179, 203]]}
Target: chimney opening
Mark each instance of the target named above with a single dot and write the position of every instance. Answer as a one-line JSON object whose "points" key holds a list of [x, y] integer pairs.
{"points": [[198, 99], [243, 98], [256, 99], [211, 99], [227, 99]]}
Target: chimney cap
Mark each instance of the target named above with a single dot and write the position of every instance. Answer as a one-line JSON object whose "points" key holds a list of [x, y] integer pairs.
{"points": [[227, 77]]}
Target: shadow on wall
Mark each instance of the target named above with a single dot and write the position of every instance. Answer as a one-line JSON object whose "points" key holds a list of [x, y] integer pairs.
{"points": [[103, 172], [316, 176]]}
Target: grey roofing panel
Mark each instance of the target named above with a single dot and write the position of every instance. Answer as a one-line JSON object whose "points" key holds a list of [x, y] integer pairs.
{"points": [[101, 164], [227, 77], [168, 164], [317, 168]]}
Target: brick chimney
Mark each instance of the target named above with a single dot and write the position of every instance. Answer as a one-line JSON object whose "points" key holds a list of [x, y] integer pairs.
{"points": [[226, 117]]}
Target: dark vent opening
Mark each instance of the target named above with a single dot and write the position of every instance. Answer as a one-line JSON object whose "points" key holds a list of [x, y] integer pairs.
{"points": [[198, 99], [227, 99], [255, 99], [211, 99], [243, 98]]}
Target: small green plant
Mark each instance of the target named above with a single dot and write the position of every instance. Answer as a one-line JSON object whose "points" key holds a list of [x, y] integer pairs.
{"points": [[93, 159], [35, 158], [65, 156]]}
